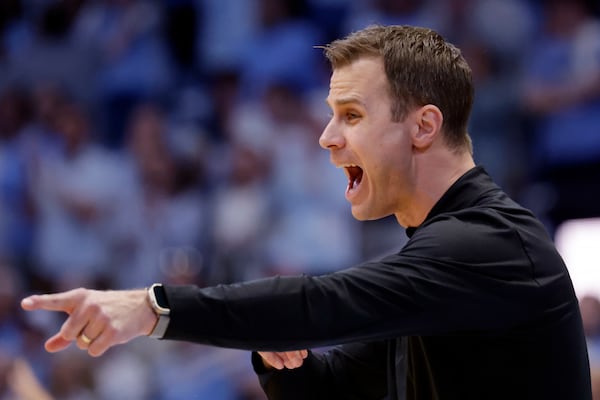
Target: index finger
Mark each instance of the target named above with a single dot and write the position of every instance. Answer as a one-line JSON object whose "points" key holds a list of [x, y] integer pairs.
{"points": [[64, 301]]}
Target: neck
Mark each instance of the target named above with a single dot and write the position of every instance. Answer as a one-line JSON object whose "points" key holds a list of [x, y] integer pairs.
{"points": [[434, 172]]}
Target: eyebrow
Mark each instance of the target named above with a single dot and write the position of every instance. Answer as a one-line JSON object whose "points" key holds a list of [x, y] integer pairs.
{"points": [[346, 100]]}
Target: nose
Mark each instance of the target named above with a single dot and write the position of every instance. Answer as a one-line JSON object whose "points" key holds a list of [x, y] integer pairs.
{"points": [[331, 138]]}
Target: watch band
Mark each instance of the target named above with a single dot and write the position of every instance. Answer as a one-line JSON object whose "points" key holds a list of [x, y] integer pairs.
{"points": [[161, 327], [158, 303]]}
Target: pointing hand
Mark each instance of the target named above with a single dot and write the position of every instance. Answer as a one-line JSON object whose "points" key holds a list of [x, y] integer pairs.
{"points": [[97, 320]]}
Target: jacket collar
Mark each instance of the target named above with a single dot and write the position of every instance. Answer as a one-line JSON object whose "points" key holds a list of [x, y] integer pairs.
{"points": [[463, 193]]}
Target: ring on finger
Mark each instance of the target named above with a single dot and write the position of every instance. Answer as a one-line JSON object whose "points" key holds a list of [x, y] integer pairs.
{"points": [[85, 339]]}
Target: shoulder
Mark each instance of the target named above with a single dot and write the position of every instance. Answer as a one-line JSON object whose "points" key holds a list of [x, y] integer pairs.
{"points": [[476, 234]]}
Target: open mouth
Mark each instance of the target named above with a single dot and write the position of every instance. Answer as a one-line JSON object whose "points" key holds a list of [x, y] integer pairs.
{"points": [[354, 174]]}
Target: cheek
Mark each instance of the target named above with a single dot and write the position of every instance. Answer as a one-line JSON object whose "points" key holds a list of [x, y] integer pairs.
{"points": [[393, 155], [392, 169]]}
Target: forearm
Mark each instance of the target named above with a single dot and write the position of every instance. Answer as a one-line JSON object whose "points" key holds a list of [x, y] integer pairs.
{"points": [[550, 98], [275, 314]]}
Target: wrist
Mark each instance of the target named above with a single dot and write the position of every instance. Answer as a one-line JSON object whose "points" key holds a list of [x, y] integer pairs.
{"points": [[152, 319]]}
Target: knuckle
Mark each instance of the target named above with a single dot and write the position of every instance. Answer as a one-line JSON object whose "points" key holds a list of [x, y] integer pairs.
{"points": [[110, 330], [94, 308], [67, 332], [103, 318]]}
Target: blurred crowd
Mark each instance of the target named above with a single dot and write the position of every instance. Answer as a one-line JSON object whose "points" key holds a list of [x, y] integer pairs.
{"points": [[177, 141]]}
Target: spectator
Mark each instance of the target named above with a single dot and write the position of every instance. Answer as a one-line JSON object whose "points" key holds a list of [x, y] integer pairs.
{"points": [[241, 217], [135, 63], [562, 92], [16, 213], [595, 384], [53, 56], [225, 27], [388, 12], [310, 218], [496, 121], [285, 43], [590, 314], [76, 196], [162, 207]]}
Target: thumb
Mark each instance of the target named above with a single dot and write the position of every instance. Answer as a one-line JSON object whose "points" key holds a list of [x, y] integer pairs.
{"points": [[56, 343]]}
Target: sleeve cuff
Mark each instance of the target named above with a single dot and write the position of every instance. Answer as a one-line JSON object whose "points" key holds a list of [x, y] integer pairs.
{"points": [[258, 365]]}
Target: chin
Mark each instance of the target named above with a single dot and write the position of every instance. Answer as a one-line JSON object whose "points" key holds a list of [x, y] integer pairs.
{"points": [[358, 214], [364, 214], [358, 217]]}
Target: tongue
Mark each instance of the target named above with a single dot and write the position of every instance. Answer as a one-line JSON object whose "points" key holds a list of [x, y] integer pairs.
{"points": [[356, 174]]}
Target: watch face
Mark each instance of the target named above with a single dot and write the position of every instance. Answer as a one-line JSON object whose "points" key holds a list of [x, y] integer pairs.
{"points": [[160, 296]]}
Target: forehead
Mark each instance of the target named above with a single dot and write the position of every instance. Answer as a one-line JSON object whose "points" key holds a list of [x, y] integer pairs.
{"points": [[363, 82]]}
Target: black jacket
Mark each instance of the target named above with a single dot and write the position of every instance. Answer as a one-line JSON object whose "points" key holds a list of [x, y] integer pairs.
{"points": [[477, 305]]}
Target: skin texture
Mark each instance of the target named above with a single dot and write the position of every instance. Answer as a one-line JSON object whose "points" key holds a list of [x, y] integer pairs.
{"points": [[406, 165], [406, 168], [108, 318]]}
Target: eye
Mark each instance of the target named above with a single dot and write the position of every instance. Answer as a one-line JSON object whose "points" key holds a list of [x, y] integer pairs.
{"points": [[352, 116]]}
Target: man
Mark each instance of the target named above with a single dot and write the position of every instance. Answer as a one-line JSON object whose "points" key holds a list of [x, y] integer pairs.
{"points": [[477, 305]]}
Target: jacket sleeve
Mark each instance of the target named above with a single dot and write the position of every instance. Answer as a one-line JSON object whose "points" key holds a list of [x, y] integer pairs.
{"points": [[347, 372], [401, 295], [451, 279]]}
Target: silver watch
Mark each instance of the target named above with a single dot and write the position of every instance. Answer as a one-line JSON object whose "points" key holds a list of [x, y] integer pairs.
{"points": [[158, 301]]}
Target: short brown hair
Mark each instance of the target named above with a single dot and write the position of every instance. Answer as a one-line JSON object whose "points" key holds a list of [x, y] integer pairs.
{"points": [[421, 68]]}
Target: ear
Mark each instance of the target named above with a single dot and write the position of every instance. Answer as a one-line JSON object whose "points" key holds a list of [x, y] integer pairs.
{"points": [[429, 121]]}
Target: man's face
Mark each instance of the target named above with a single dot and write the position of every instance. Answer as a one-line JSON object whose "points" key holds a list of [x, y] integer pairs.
{"points": [[375, 152]]}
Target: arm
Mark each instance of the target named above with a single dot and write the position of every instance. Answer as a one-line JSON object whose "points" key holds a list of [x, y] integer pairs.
{"points": [[398, 296], [450, 278], [548, 98], [349, 372], [24, 384]]}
